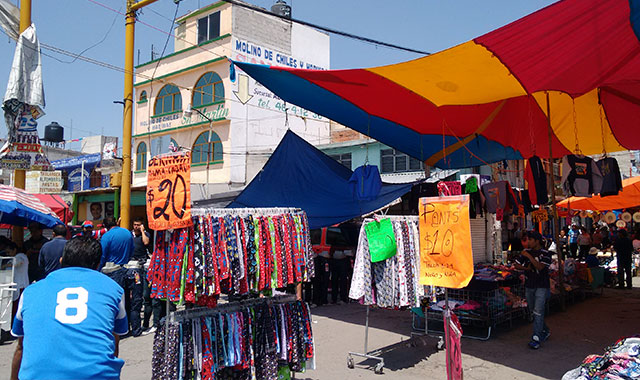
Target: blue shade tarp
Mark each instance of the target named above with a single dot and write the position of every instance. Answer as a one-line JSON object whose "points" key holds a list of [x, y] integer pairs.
{"points": [[299, 175], [19, 208], [73, 167]]}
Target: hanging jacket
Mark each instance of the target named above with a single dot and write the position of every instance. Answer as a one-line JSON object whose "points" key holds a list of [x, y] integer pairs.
{"points": [[580, 176], [537, 181], [365, 182], [611, 179], [475, 200], [499, 195]]}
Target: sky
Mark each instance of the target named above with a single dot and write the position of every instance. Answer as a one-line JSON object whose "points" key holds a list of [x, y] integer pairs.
{"points": [[80, 95]]}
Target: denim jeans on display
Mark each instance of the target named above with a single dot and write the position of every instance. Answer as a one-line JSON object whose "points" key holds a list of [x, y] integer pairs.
{"points": [[537, 301]]}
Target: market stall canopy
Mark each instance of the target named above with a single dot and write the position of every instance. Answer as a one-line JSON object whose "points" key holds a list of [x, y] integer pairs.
{"points": [[56, 204], [628, 197], [299, 175], [19, 208], [486, 100]]}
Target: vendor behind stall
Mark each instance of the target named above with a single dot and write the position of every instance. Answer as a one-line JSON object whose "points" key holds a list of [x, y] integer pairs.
{"points": [[592, 259]]}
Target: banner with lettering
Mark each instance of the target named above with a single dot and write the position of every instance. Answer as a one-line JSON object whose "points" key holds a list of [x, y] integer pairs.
{"points": [[446, 258], [168, 191]]}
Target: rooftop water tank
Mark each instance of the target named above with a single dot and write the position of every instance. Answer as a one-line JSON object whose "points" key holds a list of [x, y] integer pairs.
{"points": [[281, 8], [54, 132]]}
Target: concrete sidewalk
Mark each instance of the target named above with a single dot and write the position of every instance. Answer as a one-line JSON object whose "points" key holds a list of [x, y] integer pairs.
{"points": [[586, 327]]}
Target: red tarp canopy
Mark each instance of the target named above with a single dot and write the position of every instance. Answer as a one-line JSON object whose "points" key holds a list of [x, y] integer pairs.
{"points": [[56, 204]]}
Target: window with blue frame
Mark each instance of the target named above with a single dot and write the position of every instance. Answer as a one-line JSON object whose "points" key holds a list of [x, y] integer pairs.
{"points": [[168, 100], [143, 97], [207, 148], [209, 89], [141, 156]]}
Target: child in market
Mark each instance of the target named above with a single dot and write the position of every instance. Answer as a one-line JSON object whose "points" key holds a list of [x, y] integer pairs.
{"points": [[535, 261]]}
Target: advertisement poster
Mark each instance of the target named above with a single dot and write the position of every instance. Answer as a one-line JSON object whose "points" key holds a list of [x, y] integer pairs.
{"points": [[168, 191], [446, 258]]}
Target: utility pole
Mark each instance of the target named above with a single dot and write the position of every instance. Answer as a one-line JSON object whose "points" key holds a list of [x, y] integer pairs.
{"points": [[19, 175], [130, 26]]}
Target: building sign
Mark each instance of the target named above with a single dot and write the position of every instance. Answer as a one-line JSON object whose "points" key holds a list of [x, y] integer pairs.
{"points": [[214, 112], [39, 182], [168, 191], [245, 51], [23, 150], [445, 241]]}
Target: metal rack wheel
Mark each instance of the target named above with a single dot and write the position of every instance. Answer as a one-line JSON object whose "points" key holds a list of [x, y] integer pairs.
{"points": [[350, 362]]}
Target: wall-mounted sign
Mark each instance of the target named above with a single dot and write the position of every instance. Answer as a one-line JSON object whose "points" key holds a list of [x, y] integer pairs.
{"points": [[39, 182]]}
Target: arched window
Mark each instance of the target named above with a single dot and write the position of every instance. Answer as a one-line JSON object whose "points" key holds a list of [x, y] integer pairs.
{"points": [[168, 100], [209, 89], [141, 156], [143, 97], [207, 148]]}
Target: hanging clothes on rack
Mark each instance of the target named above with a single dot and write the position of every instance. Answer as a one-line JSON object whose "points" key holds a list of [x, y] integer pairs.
{"points": [[537, 181], [611, 179], [238, 341], [472, 188], [391, 283], [581, 176], [233, 252]]}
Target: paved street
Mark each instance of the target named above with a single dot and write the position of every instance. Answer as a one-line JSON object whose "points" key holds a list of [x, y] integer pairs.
{"points": [[585, 328]]}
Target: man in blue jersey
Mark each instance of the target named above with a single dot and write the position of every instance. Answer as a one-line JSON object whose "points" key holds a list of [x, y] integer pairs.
{"points": [[68, 324], [117, 249]]}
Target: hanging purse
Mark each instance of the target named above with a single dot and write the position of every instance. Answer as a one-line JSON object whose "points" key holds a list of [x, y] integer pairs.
{"points": [[382, 240]]}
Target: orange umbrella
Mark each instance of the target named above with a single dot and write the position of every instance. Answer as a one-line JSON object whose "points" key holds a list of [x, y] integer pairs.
{"points": [[628, 197]]}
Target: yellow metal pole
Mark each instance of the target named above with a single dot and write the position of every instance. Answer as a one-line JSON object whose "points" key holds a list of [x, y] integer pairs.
{"points": [[130, 27], [125, 195], [19, 175]]}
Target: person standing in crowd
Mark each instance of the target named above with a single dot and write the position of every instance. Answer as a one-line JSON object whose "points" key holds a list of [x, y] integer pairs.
{"points": [[584, 243], [563, 240], [596, 238], [68, 324], [51, 251], [117, 248], [20, 272], [604, 233], [87, 230], [32, 248], [535, 262], [624, 251], [141, 245], [573, 240]]}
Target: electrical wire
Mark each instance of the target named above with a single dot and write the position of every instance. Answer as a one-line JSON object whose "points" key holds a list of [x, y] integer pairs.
{"points": [[324, 28]]}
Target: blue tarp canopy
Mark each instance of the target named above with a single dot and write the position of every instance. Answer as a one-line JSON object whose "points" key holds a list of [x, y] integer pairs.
{"points": [[73, 167], [299, 175]]}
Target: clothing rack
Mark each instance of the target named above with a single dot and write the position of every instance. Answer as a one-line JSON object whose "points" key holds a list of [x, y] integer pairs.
{"points": [[202, 211], [182, 315], [378, 369]]}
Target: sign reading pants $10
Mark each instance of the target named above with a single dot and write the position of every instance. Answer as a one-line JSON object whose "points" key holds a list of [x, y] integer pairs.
{"points": [[168, 191], [446, 258]]}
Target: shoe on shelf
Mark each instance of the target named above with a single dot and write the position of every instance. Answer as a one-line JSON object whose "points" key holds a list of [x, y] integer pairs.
{"points": [[149, 331]]}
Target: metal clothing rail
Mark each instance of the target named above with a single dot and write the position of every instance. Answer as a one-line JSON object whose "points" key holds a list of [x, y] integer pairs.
{"points": [[378, 369], [182, 315], [201, 211]]}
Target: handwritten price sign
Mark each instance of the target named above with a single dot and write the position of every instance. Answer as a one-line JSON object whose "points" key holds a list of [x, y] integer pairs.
{"points": [[445, 241], [168, 191]]}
